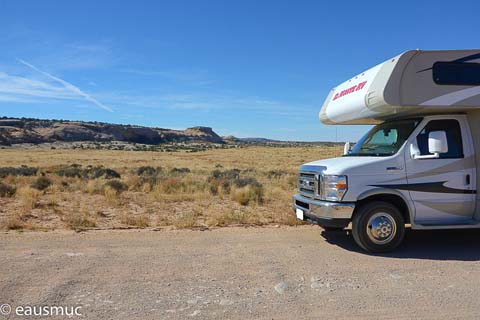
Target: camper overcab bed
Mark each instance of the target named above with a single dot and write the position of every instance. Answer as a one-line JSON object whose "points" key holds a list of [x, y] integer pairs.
{"points": [[417, 166]]}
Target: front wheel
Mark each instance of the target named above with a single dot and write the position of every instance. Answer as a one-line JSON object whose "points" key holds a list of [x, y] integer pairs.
{"points": [[378, 227]]}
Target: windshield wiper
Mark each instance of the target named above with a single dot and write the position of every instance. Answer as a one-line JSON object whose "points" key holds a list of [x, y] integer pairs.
{"points": [[368, 155]]}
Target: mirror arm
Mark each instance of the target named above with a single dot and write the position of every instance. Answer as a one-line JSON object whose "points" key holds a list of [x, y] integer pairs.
{"points": [[346, 148], [428, 156]]}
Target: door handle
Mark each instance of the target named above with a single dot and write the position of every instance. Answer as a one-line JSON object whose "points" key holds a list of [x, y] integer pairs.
{"points": [[467, 179], [393, 169]]}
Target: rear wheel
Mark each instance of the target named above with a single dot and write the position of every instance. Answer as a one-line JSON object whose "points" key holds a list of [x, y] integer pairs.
{"points": [[378, 227]]}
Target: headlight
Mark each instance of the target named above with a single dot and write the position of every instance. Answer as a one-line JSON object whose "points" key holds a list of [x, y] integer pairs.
{"points": [[333, 187]]}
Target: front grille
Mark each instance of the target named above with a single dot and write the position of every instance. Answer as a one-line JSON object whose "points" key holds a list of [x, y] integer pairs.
{"points": [[307, 184]]}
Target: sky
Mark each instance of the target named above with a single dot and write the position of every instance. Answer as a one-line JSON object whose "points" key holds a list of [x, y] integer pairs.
{"points": [[244, 68]]}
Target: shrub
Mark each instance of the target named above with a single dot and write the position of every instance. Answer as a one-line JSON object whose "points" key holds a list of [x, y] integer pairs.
{"points": [[76, 171], [6, 190], [20, 171], [223, 179], [148, 171], [230, 178], [41, 183], [99, 172], [147, 177], [179, 170], [116, 185], [248, 194], [231, 174], [214, 189], [73, 171], [243, 182], [276, 173]]}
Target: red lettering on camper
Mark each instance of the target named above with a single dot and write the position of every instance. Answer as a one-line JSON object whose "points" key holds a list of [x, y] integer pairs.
{"points": [[361, 85], [354, 88]]}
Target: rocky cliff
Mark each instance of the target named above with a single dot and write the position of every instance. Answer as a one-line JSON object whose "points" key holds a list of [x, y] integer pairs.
{"points": [[15, 131]]}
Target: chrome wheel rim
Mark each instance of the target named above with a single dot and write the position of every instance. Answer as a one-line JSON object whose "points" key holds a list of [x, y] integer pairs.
{"points": [[381, 228]]}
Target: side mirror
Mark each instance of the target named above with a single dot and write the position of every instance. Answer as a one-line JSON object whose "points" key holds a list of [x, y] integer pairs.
{"points": [[437, 142], [346, 148]]}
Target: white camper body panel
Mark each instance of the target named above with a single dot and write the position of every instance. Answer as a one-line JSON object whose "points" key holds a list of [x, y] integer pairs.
{"points": [[408, 84], [347, 102]]}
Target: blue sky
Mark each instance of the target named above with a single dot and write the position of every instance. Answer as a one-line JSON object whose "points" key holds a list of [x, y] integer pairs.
{"points": [[247, 68]]}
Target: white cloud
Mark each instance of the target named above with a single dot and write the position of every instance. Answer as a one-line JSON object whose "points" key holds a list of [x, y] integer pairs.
{"points": [[19, 88], [68, 86], [16, 99]]}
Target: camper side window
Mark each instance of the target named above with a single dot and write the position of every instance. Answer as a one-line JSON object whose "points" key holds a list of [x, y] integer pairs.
{"points": [[456, 73], [454, 138]]}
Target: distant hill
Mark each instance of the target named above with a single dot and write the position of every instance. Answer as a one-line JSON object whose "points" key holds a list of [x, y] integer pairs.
{"points": [[272, 142], [258, 140], [25, 130]]}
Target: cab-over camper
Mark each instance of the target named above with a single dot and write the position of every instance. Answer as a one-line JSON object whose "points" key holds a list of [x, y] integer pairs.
{"points": [[418, 165]]}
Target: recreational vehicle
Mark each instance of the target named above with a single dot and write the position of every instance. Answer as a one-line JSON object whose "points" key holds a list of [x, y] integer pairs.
{"points": [[417, 166]]}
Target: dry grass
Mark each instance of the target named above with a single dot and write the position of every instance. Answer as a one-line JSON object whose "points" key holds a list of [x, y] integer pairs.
{"points": [[139, 221], [249, 186], [248, 195], [112, 196], [80, 221], [185, 220], [261, 158], [28, 197], [15, 223]]}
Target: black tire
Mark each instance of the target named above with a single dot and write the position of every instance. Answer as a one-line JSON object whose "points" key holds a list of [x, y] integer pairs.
{"points": [[389, 231]]}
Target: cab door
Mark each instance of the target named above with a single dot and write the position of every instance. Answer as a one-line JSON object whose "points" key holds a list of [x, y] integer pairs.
{"points": [[442, 189]]}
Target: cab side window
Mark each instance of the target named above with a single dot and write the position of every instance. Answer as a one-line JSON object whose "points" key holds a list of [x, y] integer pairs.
{"points": [[454, 138]]}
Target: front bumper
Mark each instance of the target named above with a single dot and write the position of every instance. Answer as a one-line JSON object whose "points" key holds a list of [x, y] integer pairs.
{"points": [[324, 213]]}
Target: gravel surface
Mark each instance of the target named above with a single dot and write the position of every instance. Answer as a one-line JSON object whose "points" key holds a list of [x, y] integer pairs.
{"points": [[241, 273]]}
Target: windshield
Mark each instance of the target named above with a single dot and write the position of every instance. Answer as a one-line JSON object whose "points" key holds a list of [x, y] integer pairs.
{"points": [[384, 139]]}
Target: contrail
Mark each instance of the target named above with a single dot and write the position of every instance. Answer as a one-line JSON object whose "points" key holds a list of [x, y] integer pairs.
{"points": [[68, 86]]}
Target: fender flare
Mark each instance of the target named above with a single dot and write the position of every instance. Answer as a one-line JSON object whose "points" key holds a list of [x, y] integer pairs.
{"points": [[381, 191]]}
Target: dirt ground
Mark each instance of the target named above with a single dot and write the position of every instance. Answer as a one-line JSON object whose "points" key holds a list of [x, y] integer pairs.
{"points": [[241, 273]]}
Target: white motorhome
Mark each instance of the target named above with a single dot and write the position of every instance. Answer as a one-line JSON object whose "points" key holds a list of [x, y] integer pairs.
{"points": [[417, 166]]}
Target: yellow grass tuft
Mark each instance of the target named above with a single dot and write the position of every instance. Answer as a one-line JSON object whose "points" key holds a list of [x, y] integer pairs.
{"points": [[80, 221], [139, 221], [28, 197], [248, 195]]}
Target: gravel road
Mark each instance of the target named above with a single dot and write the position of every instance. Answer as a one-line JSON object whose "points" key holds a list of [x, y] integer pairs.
{"points": [[241, 273]]}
